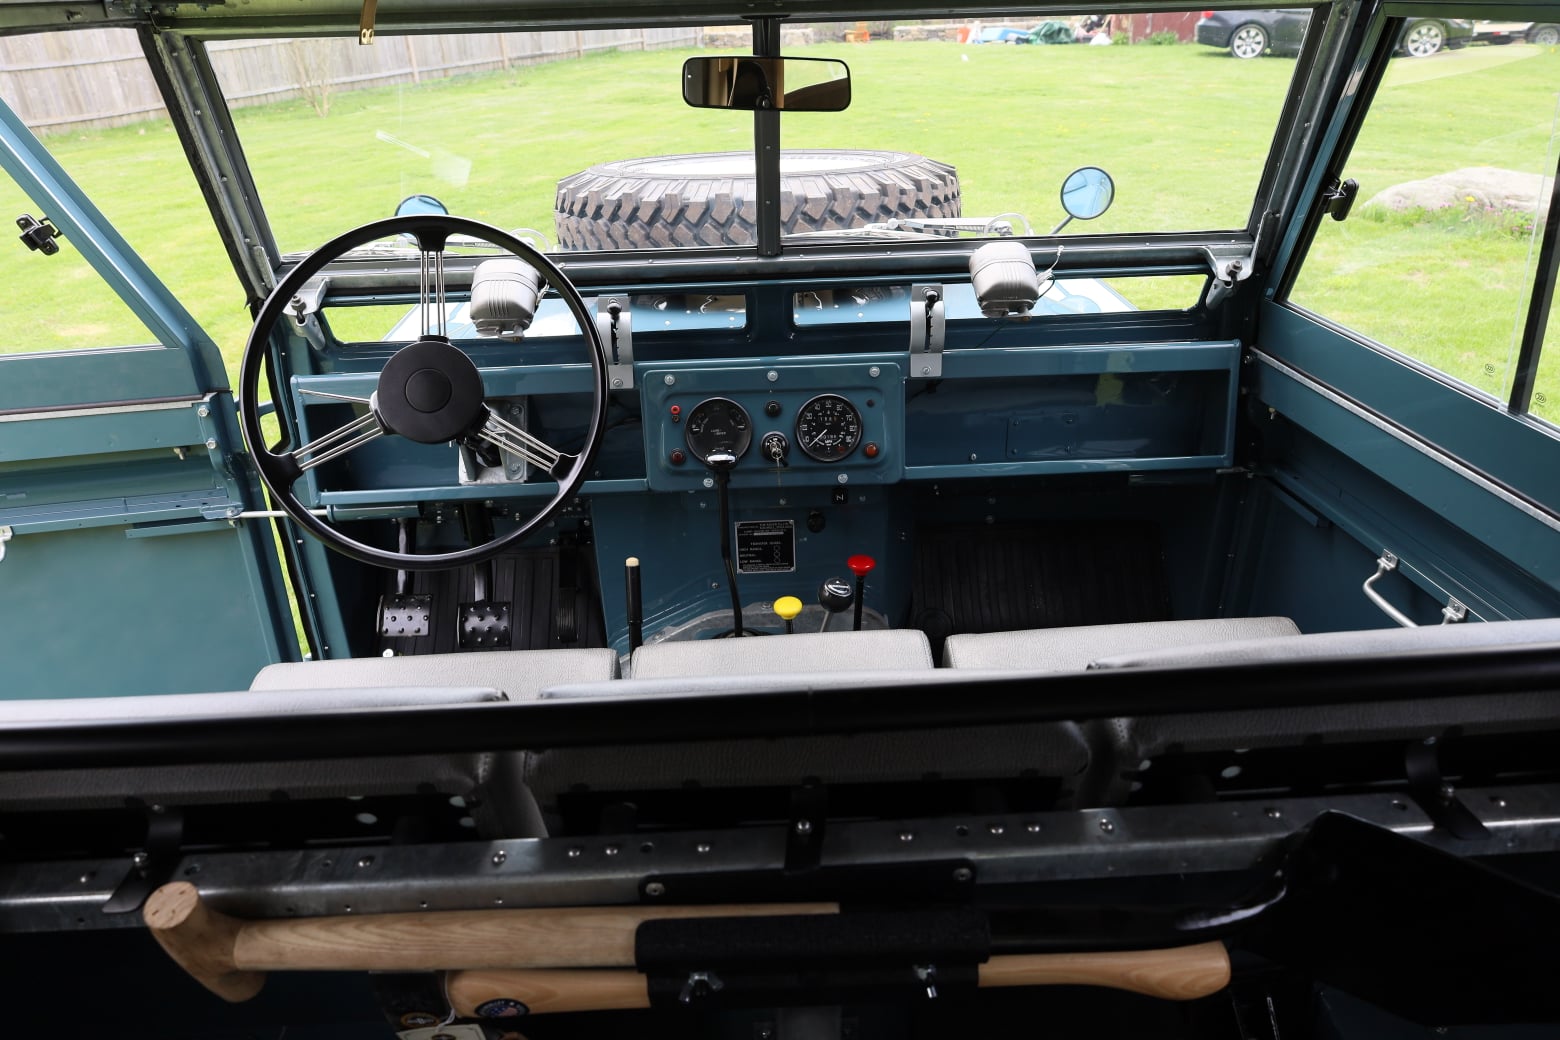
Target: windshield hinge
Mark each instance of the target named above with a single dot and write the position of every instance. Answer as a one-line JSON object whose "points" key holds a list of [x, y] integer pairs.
{"points": [[614, 320], [1226, 272], [304, 310], [1338, 199], [39, 234], [928, 329]]}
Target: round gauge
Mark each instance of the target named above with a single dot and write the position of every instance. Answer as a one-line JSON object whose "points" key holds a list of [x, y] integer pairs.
{"points": [[828, 428], [718, 425]]}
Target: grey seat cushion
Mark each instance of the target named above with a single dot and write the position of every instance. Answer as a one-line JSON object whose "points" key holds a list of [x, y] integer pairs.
{"points": [[869, 650], [1074, 649], [520, 674]]}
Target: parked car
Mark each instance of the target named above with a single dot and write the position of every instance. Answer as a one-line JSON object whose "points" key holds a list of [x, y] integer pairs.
{"points": [[1281, 30], [1545, 34]]}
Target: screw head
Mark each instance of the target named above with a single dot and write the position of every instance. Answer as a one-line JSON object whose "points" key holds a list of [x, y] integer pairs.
{"points": [[1106, 826], [803, 826], [365, 861], [139, 861], [655, 888], [670, 380], [702, 848], [499, 857], [962, 874], [617, 384]]}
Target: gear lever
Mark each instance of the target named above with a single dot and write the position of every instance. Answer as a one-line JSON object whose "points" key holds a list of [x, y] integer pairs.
{"points": [[860, 566], [834, 596], [720, 463]]}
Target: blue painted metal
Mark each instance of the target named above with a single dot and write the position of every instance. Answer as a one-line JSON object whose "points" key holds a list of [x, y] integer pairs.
{"points": [[1520, 453], [86, 229]]}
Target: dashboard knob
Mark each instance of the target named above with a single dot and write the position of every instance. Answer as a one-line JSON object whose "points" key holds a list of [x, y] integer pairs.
{"points": [[835, 595]]}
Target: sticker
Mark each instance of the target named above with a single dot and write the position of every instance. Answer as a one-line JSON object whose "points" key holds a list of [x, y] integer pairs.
{"points": [[503, 1007], [766, 546], [414, 1019]]}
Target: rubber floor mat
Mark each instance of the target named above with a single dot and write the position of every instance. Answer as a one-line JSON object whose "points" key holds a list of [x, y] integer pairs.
{"points": [[981, 578], [546, 612]]}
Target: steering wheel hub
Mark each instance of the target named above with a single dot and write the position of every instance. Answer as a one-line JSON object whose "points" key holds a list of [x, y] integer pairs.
{"points": [[429, 392]]}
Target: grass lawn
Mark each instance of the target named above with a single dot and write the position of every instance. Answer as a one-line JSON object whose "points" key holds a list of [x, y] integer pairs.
{"points": [[1185, 130]]}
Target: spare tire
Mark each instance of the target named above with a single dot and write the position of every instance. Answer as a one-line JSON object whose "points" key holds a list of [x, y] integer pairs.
{"points": [[709, 199]]}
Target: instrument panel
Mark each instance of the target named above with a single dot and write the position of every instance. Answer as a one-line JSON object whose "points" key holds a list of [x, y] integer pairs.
{"points": [[794, 421]]}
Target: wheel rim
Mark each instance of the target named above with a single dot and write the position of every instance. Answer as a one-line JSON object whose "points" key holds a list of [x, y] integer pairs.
{"points": [[1547, 36], [1423, 40], [278, 470], [1248, 42]]}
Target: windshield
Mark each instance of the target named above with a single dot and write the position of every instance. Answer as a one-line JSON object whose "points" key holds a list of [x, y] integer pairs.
{"points": [[584, 138]]}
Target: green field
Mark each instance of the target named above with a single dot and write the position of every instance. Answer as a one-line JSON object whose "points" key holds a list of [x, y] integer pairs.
{"points": [[1185, 130]]}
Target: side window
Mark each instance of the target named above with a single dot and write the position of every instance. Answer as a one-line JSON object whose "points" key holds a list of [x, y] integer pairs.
{"points": [[1455, 165], [90, 99]]}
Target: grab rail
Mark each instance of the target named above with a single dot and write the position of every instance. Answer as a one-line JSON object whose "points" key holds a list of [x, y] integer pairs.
{"points": [[1451, 614]]}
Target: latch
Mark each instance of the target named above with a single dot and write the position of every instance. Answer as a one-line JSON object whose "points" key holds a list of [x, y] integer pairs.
{"points": [[1338, 199], [39, 234], [5, 536], [615, 322], [928, 330], [366, 23]]}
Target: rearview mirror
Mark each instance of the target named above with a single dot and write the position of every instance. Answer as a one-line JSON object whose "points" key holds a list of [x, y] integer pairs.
{"points": [[751, 84]]}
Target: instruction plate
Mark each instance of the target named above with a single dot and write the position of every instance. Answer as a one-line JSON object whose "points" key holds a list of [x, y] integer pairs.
{"points": [[766, 546]]}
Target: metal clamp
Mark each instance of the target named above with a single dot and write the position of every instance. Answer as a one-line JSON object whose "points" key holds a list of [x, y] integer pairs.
{"points": [[615, 322], [928, 331], [1454, 611]]}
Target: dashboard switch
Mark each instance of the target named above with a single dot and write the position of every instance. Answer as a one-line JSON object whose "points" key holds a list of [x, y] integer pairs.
{"points": [[775, 449]]}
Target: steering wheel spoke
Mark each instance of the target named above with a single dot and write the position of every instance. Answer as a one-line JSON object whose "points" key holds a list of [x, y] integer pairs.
{"points": [[336, 443], [429, 392], [506, 436]]}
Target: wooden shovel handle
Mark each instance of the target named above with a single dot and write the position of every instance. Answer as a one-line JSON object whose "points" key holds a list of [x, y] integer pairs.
{"points": [[1180, 973], [227, 955]]}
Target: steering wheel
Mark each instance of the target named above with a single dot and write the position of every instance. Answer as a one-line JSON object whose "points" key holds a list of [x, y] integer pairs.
{"points": [[429, 391]]}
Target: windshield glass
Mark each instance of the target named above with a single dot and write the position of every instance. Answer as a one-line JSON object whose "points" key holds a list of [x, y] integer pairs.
{"points": [[585, 139]]}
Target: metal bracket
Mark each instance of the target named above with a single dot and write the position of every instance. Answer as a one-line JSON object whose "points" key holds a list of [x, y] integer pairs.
{"points": [[366, 23], [5, 536], [928, 331], [304, 310], [615, 322], [1226, 272], [154, 865], [39, 234], [1436, 796]]}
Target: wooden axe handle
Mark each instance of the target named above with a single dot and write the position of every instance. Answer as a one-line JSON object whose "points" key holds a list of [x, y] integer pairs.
{"points": [[227, 956], [1181, 973]]}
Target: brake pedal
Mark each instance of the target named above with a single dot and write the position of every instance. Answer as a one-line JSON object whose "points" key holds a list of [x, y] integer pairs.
{"points": [[484, 623], [404, 614]]}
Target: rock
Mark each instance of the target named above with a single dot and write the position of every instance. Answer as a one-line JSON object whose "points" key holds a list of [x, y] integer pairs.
{"points": [[1486, 186]]}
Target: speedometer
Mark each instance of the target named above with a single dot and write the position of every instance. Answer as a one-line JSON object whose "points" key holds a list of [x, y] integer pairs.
{"points": [[828, 428], [718, 426]]}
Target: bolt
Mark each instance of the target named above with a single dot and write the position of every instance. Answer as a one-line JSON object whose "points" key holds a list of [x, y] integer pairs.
{"points": [[203, 411], [996, 828], [772, 375], [926, 370], [1106, 826], [1032, 828], [655, 888], [973, 456], [140, 860], [874, 371], [617, 384], [907, 835], [803, 826], [366, 861], [702, 848], [499, 857], [575, 852], [211, 444], [709, 482], [962, 874], [670, 380], [1273, 812], [612, 850]]}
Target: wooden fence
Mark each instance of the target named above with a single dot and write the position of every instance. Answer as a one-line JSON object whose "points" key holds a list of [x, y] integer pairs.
{"points": [[98, 77]]}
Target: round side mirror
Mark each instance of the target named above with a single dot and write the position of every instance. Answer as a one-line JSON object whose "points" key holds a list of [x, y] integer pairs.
{"points": [[420, 206], [1087, 192]]}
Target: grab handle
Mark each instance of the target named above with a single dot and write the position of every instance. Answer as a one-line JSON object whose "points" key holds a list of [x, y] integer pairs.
{"points": [[1453, 612]]}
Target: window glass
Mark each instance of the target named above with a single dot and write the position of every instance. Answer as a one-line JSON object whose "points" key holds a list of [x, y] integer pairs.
{"points": [[1436, 259], [585, 137], [90, 98]]}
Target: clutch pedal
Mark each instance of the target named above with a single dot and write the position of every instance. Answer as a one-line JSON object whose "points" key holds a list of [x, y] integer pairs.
{"points": [[404, 614]]}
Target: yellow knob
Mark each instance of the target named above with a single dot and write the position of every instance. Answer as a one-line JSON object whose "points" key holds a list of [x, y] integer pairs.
{"points": [[788, 607]]}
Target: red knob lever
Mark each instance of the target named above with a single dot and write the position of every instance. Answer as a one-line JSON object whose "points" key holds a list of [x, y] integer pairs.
{"points": [[860, 566]]}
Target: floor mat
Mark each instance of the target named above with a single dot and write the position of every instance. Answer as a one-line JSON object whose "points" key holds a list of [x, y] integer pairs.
{"points": [[982, 578], [551, 592]]}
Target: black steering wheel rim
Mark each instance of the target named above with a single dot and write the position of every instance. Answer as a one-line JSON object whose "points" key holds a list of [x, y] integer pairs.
{"points": [[279, 471]]}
